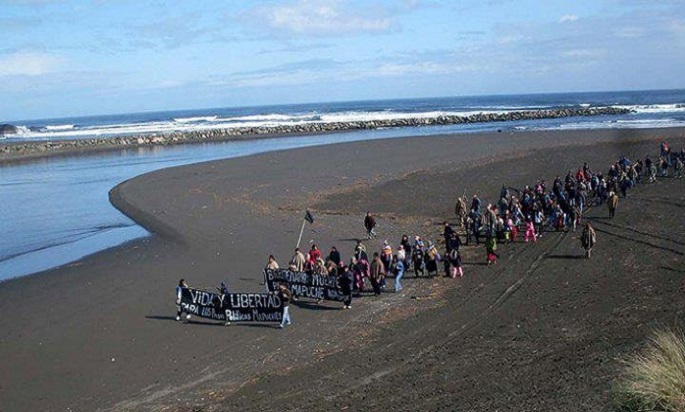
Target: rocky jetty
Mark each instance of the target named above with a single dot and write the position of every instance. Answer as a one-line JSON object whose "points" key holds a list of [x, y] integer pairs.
{"points": [[16, 149]]}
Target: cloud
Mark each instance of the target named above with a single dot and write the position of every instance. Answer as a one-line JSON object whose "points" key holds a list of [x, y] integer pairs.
{"points": [[29, 64], [568, 18], [323, 17]]}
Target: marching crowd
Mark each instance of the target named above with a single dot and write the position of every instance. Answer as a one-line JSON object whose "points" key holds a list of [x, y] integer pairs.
{"points": [[525, 213]]}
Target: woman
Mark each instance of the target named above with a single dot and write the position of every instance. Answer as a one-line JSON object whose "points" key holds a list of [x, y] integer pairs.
{"points": [[272, 264]]}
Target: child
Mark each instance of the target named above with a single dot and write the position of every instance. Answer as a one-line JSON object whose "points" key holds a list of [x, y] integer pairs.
{"points": [[490, 247]]}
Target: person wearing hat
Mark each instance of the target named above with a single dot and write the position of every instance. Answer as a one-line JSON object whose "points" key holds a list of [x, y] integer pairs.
{"points": [[179, 292]]}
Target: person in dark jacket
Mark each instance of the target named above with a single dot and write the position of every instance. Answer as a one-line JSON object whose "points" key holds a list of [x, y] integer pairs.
{"points": [[334, 256], [285, 296], [345, 281], [370, 225]]}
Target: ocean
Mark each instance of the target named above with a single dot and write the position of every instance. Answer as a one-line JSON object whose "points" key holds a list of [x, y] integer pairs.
{"points": [[657, 108], [56, 210]]}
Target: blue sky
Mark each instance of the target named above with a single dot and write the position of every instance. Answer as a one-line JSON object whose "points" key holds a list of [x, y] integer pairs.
{"points": [[68, 58]]}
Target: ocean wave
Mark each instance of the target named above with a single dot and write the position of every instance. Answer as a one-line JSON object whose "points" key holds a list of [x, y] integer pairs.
{"points": [[275, 117], [655, 108], [51, 128], [195, 119], [622, 124]]}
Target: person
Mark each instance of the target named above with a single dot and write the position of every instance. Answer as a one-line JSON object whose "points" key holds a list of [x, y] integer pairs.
{"points": [[447, 232], [272, 264], [432, 259], [398, 269], [490, 248], [575, 216], [345, 282], [460, 211], [331, 268], [334, 256], [678, 168], [530, 231], [418, 261], [402, 255], [370, 225], [285, 296], [386, 256], [455, 264], [406, 246], [513, 229], [377, 273], [588, 239], [475, 204], [179, 292], [355, 268], [612, 203], [315, 254], [298, 261], [223, 291]]}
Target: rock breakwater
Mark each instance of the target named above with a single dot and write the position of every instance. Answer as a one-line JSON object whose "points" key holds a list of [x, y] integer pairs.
{"points": [[39, 148]]}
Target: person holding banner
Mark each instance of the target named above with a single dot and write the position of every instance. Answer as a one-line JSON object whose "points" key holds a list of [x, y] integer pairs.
{"points": [[179, 291], [285, 296], [345, 282], [298, 260], [272, 264]]}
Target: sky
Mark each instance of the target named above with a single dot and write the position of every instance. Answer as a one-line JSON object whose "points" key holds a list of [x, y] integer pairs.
{"points": [[62, 58]]}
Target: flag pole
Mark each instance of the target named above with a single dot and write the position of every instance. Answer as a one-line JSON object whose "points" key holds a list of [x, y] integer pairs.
{"points": [[299, 239]]}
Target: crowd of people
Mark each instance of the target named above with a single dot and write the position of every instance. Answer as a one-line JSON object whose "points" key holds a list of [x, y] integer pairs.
{"points": [[519, 214], [526, 213]]}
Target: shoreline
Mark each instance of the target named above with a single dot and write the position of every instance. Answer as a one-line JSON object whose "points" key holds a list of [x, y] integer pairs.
{"points": [[18, 150], [230, 214]]}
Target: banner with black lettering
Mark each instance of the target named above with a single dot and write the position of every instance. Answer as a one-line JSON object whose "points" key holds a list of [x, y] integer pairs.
{"points": [[302, 284], [232, 307]]}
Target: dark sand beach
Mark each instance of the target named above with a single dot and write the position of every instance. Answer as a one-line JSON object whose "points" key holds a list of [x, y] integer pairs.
{"points": [[541, 330]]}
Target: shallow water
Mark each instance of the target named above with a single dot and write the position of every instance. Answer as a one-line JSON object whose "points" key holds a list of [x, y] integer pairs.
{"points": [[56, 210]]}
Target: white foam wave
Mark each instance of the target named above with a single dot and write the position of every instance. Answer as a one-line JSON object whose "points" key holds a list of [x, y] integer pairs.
{"points": [[200, 123], [655, 108], [195, 119], [274, 117], [51, 128], [623, 124]]}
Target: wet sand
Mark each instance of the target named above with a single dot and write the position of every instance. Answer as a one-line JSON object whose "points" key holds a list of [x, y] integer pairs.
{"points": [[541, 330]]}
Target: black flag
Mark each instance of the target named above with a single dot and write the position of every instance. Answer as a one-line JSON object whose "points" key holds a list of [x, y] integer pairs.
{"points": [[309, 217]]}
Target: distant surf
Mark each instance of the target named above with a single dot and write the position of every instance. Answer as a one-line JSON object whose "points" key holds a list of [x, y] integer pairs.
{"points": [[648, 109]]}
